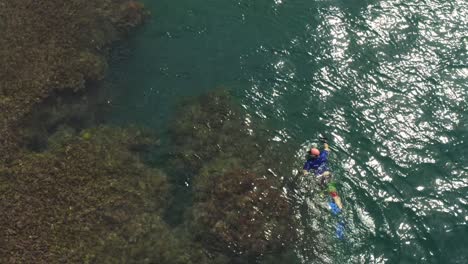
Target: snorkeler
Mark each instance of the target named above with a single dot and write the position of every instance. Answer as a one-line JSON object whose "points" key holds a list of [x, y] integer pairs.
{"points": [[318, 162]]}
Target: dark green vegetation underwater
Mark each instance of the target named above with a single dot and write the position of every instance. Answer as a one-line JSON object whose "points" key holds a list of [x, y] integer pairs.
{"points": [[75, 190]]}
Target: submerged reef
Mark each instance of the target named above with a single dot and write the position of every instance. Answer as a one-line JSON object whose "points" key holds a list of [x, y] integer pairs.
{"points": [[48, 47], [89, 199], [72, 191], [210, 126], [245, 213], [84, 193], [239, 207]]}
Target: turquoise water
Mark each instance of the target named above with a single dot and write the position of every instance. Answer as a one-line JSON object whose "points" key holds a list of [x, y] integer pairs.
{"points": [[385, 81]]}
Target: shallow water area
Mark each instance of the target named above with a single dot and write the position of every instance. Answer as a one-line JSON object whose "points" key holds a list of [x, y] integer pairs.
{"points": [[385, 81]]}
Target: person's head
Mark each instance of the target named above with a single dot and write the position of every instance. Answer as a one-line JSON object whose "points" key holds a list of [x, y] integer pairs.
{"points": [[314, 152]]}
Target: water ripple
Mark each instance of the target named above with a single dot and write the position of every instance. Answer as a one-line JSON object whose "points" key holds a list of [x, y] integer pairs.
{"points": [[386, 81], [390, 88]]}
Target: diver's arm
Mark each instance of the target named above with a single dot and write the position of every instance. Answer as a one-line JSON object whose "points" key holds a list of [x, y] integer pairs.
{"points": [[326, 147]]}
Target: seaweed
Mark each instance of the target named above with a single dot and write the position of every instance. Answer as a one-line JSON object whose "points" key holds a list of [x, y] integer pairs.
{"points": [[208, 126], [52, 46], [238, 207], [241, 212], [86, 192], [81, 193]]}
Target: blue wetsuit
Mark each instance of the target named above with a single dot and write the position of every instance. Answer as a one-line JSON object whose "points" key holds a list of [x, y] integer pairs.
{"points": [[319, 165]]}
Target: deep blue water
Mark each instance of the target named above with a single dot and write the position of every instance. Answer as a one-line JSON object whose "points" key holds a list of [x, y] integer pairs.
{"points": [[385, 81]]}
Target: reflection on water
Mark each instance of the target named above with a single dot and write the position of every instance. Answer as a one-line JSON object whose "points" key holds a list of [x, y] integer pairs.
{"points": [[384, 80], [388, 87]]}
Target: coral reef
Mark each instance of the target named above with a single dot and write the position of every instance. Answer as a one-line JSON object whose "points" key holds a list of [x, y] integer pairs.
{"points": [[50, 46]]}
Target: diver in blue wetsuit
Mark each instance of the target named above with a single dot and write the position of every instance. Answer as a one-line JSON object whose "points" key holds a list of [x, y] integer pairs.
{"points": [[318, 163]]}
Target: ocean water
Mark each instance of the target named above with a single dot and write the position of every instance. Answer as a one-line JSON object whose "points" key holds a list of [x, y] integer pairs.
{"points": [[384, 81]]}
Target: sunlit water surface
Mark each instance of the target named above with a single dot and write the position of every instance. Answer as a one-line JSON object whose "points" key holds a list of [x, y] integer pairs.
{"points": [[386, 81]]}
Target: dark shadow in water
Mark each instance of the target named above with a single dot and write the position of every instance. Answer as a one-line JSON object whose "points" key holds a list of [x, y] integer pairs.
{"points": [[76, 110]]}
